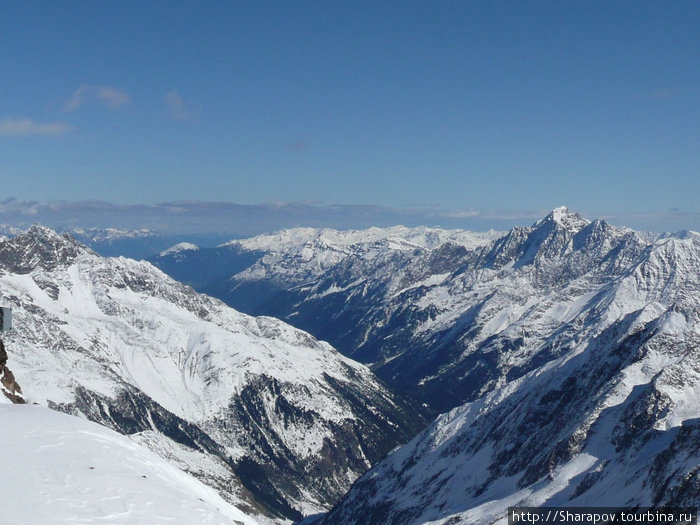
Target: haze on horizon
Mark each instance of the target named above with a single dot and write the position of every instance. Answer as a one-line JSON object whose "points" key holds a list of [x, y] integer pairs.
{"points": [[473, 115]]}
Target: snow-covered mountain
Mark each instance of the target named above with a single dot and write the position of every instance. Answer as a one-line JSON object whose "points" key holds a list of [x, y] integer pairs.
{"points": [[588, 338], [570, 349], [399, 236], [179, 248], [432, 311], [278, 422], [7, 231], [60, 469], [439, 323], [435, 323], [290, 257], [300, 255]]}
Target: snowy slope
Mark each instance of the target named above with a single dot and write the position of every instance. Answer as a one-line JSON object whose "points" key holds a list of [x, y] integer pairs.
{"points": [[263, 406], [59, 469], [8, 231], [602, 409], [109, 234]]}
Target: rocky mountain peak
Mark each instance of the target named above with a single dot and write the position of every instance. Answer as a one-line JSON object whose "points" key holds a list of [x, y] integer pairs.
{"points": [[39, 247], [551, 237], [39, 230], [563, 218]]}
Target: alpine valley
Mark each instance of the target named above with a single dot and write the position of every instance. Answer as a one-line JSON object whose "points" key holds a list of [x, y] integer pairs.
{"points": [[565, 355]]}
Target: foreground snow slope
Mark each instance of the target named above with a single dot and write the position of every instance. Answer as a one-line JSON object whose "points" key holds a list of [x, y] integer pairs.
{"points": [[279, 422], [59, 469]]}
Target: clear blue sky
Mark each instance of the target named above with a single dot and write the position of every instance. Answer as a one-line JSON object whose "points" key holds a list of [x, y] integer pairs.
{"points": [[455, 105]]}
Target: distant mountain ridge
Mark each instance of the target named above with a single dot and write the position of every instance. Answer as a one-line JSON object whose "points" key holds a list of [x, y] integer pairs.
{"points": [[248, 273]]}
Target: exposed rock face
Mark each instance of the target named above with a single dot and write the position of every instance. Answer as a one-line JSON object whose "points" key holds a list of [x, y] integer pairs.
{"points": [[40, 247], [278, 421], [8, 385]]}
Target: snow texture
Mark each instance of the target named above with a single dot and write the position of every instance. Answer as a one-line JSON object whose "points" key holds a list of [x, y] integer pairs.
{"points": [[59, 469]]}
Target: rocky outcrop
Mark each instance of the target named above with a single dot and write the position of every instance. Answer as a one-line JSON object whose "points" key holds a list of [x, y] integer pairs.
{"points": [[8, 385]]}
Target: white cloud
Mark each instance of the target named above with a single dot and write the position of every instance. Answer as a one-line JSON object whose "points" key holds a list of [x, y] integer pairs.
{"points": [[13, 206], [111, 97], [176, 105], [24, 127]]}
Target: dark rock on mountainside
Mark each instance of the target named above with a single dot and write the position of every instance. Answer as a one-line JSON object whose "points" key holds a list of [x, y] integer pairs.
{"points": [[39, 247], [8, 385]]}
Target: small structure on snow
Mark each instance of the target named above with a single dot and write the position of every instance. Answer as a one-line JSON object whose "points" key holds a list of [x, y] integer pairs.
{"points": [[5, 319]]}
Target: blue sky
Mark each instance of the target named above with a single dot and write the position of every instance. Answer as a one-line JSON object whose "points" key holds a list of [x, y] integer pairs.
{"points": [[457, 106]]}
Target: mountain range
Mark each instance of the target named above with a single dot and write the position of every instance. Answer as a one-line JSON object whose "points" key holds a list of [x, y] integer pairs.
{"points": [[563, 357], [429, 310], [603, 409]]}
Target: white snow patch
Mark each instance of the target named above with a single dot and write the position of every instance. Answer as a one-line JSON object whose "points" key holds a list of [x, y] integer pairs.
{"points": [[179, 247]]}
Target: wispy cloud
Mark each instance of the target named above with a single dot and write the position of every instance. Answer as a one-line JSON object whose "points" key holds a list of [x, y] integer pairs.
{"points": [[23, 127], [14, 207], [111, 97], [175, 105]]}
